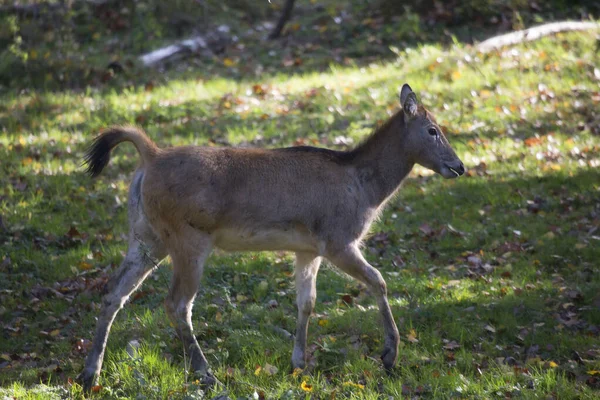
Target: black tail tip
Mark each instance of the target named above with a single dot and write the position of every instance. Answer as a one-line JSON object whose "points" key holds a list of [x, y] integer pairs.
{"points": [[97, 156]]}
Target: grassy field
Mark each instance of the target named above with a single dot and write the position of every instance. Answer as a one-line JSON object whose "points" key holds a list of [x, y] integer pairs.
{"points": [[493, 278]]}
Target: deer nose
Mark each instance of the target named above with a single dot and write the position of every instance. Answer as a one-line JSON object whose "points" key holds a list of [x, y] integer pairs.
{"points": [[457, 169]]}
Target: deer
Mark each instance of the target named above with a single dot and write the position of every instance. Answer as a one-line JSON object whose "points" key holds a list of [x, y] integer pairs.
{"points": [[319, 203]]}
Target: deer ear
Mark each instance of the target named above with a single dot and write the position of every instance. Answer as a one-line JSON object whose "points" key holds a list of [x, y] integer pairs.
{"points": [[408, 100]]}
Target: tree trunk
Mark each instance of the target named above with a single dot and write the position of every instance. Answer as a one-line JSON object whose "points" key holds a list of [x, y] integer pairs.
{"points": [[285, 17]]}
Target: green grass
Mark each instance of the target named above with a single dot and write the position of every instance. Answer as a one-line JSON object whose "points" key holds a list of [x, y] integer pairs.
{"points": [[493, 277]]}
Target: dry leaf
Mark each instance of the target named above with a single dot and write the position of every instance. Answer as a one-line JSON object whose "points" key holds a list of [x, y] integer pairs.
{"points": [[412, 336], [306, 387], [451, 345], [270, 369]]}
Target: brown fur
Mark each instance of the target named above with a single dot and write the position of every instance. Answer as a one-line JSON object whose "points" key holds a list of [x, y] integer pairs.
{"points": [[315, 202]]}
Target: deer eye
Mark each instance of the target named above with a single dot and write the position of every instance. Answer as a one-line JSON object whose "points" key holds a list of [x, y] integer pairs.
{"points": [[432, 131]]}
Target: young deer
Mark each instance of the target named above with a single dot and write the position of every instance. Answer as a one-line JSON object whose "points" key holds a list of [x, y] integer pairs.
{"points": [[316, 202]]}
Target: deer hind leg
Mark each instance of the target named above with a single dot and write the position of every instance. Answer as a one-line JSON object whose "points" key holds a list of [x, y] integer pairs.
{"points": [[307, 267], [351, 261], [143, 255], [189, 257]]}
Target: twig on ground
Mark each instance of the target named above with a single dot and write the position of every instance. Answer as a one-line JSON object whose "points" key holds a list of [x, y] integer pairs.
{"points": [[534, 33]]}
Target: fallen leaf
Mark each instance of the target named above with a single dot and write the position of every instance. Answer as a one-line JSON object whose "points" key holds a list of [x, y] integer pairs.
{"points": [[73, 232], [451, 345], [306, 387], [270, 369], [96, 388], [228, 62], [533, 141], [346, 298], [426, 229], [84, 266], [356, 385], [412, 336], [593, 372]]}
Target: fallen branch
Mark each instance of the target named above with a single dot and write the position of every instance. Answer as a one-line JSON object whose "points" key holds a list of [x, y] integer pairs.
{"points": [[207, 45], [528, 35], [38, 8], [35, 8]]}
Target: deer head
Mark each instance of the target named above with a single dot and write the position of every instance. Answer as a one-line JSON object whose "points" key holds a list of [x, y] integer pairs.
{"points": [[425, 141]]}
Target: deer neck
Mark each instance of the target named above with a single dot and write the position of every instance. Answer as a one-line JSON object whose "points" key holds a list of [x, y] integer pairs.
{"points": [[383, 160]]}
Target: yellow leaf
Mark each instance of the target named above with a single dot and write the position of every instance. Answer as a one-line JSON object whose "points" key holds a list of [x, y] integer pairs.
{"points": [[357, 385], [54, 333], [257, 370], [534, 361], [412, 336], [306, 387], [297, 372], [84, 266], [6, 357], [593, 372], [552, 364], [323, 322], [228, 62], [241, 297]]}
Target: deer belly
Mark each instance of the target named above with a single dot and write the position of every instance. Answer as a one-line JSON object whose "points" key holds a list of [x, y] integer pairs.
{"points": [[270, 239]]}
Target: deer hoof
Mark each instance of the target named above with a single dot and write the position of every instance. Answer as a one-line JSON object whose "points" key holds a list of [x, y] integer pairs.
{"points": [[87, 379], [207, 380], [389, 358]]}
